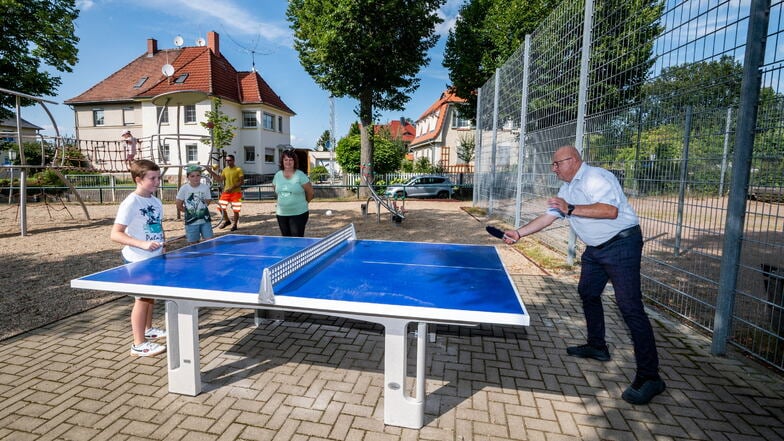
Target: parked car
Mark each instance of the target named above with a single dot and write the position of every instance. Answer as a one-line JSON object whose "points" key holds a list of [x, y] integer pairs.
{"points": [[422, 186]]}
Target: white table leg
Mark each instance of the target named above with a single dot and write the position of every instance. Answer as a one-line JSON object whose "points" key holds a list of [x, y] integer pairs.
{"points": [[182, 325], [400, 409]]}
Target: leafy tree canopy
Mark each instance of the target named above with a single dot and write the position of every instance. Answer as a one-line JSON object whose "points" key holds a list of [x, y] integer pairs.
{"points": [[367, 50], [35, 32], [386, 156], [486, 34], [221, 126], [323, 142]]}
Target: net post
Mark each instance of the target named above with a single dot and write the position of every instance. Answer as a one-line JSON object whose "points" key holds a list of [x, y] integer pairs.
{"points": [[277, 272]]}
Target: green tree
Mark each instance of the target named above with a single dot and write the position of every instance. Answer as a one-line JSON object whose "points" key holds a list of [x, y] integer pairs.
{"points": [[486, 34], [323, 142], [367, 50], [221, 126], [386, 155], [33, 33], [318, 173], [701, 85], [423, 165], [466, 148]]}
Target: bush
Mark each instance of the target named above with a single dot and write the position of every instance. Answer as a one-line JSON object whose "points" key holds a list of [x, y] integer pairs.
{"points": [[318, 173]]}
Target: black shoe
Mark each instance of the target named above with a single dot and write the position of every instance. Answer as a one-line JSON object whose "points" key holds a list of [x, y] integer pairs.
{"points": [[224, 224], [234, 227], [587, 351], [645, 393]]}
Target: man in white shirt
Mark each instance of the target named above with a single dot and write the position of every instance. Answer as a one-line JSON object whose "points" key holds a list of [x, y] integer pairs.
{"points": [[594, 202]]}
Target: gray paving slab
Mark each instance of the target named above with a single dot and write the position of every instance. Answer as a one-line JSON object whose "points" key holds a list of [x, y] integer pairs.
{"points": [[320, 378]]}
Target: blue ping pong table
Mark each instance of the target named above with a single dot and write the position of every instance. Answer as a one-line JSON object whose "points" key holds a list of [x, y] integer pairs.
{"points": [[389, 283]]}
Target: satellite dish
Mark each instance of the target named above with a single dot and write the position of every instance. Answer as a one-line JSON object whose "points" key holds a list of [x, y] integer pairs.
{"points": [[167, 69], [178, 41], [200, 42]]}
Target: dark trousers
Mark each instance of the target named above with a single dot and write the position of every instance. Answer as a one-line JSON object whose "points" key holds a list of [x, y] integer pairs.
{"points": [[293, 225], [618, 262]]}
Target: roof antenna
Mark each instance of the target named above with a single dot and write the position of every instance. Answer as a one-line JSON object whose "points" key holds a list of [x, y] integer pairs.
{"points": [[178, 41]]}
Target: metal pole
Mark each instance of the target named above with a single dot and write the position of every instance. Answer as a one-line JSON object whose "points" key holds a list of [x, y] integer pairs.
{"points": [[683, 177], [22, 171], [726, 151], [744, 143], [493, 145], [582, 97], [523, 122], [479, 148]]}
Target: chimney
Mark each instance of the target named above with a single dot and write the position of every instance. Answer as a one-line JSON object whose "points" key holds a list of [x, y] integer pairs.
{"points": [[213, 42], [152, 46]]}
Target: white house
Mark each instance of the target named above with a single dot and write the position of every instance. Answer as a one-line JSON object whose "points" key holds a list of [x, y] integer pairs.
{"points": [[162, 98], [439, 131]]}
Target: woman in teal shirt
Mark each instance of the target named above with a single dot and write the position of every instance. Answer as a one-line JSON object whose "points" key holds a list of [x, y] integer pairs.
{"points": [[294, 191]]}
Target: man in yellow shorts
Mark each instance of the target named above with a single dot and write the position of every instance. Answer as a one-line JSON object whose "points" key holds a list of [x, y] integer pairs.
{"points": [[232, 178]]}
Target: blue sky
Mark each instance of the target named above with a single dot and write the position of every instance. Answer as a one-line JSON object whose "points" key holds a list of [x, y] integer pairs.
{"points": [[114, 32]]}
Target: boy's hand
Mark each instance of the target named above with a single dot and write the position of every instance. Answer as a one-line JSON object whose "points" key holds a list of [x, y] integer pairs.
{"points": [[151, 245]]}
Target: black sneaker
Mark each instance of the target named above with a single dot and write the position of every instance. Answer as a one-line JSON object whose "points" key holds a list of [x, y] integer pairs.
{"points": [[587, 351], [644, 393]]}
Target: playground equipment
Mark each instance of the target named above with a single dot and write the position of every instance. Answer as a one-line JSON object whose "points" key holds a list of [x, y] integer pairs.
{"points": [[59, 154], [396, 206]]}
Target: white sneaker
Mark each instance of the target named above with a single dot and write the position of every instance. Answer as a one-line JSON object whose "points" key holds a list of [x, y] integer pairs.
{"points": [[147, 349], [154, 333]]}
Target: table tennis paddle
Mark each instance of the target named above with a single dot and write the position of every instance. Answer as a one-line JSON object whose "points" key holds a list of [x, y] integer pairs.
{"points": [[495, 232]]}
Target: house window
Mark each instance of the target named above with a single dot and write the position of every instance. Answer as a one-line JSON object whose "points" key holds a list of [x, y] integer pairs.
{"points": [[269, 155], [280, 124], [250, 153], [163, 114], [249, 120], [141, 82], [457, 121], [165, 153], [190, 113], [269, 121], [191, 153], [98, 117], [127, 116]]}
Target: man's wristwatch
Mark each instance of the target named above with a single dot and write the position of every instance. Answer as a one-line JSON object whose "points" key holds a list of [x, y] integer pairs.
{"points": [[569, 209]]}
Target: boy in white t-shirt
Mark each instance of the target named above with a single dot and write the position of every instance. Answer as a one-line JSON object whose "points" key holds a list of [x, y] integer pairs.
{"points": [[139, 227], [193, 200]]}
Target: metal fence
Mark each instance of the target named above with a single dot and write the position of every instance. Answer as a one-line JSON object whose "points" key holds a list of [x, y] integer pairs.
{"points": [[683, 102]]}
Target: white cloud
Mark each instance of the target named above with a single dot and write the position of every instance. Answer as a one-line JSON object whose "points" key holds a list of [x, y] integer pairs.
{"points": [[84, 5], [235, 19], [448, 12]]}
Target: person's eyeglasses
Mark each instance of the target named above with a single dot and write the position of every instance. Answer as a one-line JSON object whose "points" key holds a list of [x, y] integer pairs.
{"points": [[557, 164]]}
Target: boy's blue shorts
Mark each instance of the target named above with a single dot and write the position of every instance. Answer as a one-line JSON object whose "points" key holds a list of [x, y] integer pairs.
{"points": [[195, 232]]}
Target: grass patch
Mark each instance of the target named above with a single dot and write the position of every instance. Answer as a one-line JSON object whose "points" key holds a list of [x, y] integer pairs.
{"points": [[544, 256], [476, 211]]}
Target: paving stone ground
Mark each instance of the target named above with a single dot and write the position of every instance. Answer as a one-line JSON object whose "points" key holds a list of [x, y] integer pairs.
{"points": [[319, 378]]}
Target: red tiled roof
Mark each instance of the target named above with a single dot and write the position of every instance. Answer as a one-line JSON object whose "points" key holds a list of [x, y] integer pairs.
{"points": [[447, 97], [206, 72], [254, 89], [398, 130]]}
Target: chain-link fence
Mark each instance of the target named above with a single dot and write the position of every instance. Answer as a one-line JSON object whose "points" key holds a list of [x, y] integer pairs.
{"points": [[683, 102]]}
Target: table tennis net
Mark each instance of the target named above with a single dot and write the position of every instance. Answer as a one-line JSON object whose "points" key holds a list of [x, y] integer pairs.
{"points": [[279, 271]]}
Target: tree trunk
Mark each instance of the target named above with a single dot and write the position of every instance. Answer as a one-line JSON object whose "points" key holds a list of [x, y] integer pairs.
{"points": [[366, 137]]}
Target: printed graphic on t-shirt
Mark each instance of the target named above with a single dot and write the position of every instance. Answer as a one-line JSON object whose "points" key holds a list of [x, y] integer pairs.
{"points": [[153, 227], [195, 209]]}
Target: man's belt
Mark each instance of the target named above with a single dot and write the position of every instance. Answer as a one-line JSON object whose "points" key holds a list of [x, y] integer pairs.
{"points": [[621, 235]]}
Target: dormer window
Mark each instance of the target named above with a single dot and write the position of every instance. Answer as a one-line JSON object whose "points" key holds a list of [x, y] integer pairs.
{"points": [[140, 82], [181, 79]]}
